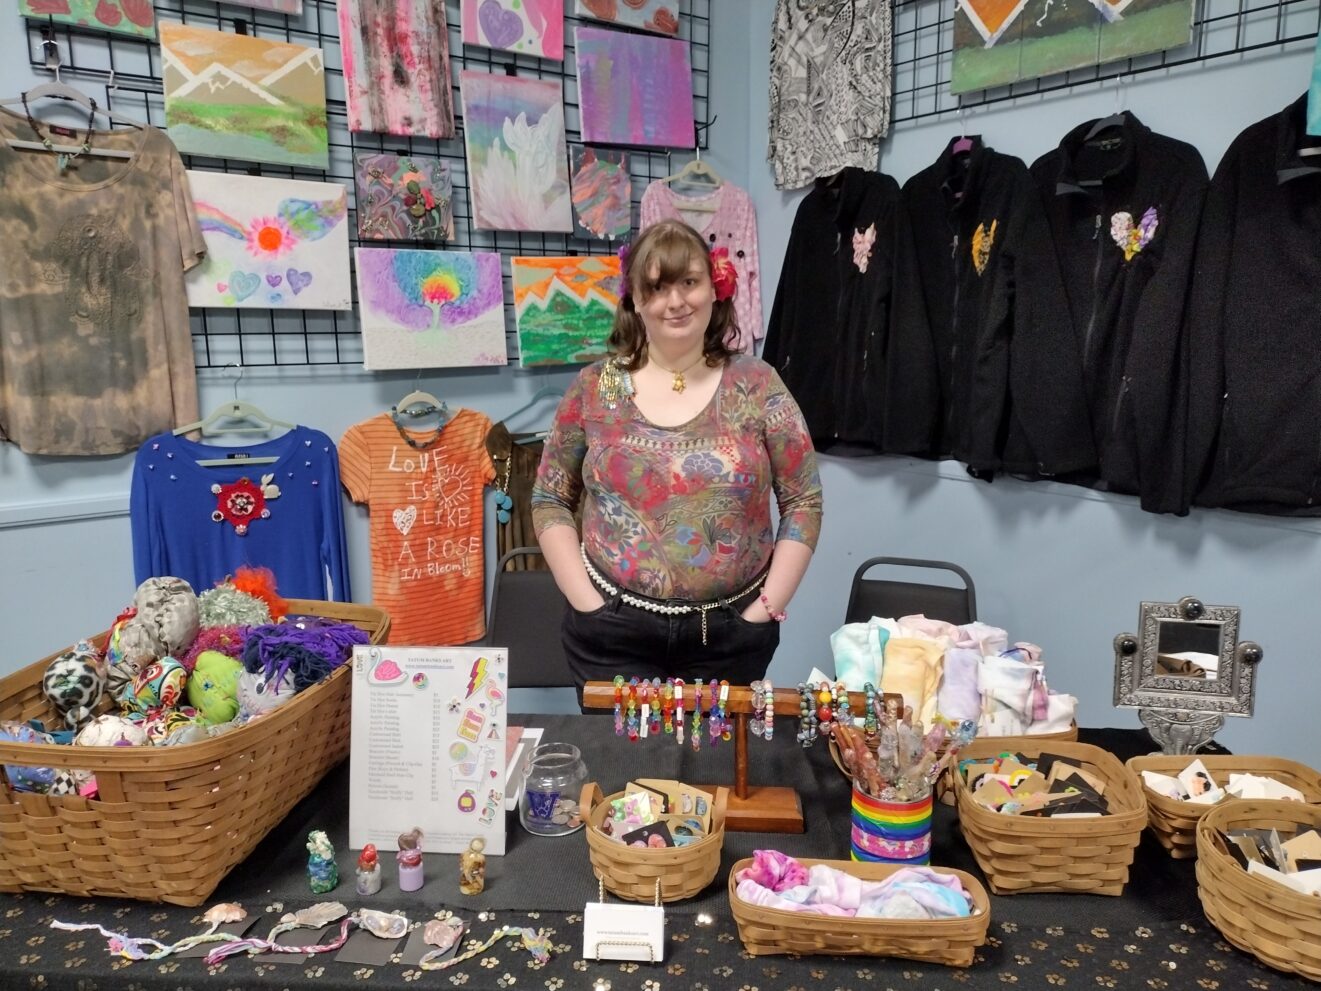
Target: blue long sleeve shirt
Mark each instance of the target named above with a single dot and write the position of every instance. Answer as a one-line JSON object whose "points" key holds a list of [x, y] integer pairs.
{"points": [[183, 527]]}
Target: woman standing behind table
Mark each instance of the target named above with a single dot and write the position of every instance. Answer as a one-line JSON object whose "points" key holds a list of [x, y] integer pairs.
{"points": [[675, 444]]}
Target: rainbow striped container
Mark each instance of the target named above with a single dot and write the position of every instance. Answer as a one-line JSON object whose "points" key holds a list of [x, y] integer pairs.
{"points": [[891, 832]]}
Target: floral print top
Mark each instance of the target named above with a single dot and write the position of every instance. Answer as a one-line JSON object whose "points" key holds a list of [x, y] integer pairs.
{"points": [[682, 512]]}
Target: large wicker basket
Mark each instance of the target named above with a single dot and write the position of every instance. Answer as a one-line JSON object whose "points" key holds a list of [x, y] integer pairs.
{"points": [[952, 942], [1174, 823], [169, 823], [1032, 853], [1277, 925], [632, 872]]}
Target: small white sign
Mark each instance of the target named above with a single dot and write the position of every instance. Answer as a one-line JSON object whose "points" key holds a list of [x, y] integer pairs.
{"points": [[624, 932], [428, 747]]}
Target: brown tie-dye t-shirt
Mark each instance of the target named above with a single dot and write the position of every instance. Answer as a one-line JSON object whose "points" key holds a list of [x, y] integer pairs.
{"points": [[95, 350]]}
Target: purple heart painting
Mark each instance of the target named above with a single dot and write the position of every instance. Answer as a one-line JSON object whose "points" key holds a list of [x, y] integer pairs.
{"points": [[529, 27], [285, 237]]}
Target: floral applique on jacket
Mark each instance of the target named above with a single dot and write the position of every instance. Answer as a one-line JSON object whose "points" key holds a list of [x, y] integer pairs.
{"points": [[863, 244], [1133, 238], [982, 239]]}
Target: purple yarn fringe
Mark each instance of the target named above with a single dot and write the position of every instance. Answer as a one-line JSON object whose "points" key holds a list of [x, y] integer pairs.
{"points": [[308, 648]]}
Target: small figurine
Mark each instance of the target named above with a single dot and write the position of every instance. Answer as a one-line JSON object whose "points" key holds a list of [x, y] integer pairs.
{"points": [[472, 868], [410, 860], [322, 872], [369, 871]]}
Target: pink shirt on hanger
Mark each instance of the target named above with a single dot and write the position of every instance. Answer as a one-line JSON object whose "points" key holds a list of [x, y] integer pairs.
{"points": [[733, 225]]}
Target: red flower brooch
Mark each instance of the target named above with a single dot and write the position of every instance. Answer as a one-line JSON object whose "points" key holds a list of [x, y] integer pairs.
{"points": [[723, 274], [241, 502]]}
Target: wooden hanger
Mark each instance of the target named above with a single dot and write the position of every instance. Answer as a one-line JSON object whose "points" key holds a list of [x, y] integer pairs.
{"points": [[235, 417]]}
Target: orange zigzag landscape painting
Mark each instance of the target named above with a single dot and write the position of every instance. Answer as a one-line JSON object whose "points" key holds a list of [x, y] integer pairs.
{"points": [[564, 308]]}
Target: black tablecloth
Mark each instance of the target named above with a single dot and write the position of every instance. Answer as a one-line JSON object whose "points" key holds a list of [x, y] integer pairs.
{"points": [[1152, 938]]}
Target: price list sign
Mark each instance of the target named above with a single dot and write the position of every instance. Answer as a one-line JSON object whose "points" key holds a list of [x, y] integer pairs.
{"points": [[428, 747]]}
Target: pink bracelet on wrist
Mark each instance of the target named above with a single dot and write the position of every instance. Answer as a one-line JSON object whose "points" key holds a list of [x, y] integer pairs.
{"points": [[779, 616]]}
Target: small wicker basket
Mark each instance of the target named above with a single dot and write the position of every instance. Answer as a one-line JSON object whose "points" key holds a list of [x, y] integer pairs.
{"points": [[1174, 823], [951, 942], [1031, 853], [632, 872], [169, 823], [1277, 925]]}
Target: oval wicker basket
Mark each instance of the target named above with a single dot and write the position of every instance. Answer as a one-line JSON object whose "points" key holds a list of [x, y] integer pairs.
{"points": [[1277, 925], [632, 872], [1174, 823], [1034, 853], [951, 942], [169, 823]]}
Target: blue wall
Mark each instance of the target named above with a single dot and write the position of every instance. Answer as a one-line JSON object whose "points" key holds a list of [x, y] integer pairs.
{"points": [[1062, 567]]}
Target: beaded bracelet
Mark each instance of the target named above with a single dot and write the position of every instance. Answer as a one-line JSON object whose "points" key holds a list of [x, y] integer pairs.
{"points": [[655, 706], [726, 724], [758, 708], [644, 720], [779, 616], [619, 705], [696, 733], [768, 718], [678, 710]]}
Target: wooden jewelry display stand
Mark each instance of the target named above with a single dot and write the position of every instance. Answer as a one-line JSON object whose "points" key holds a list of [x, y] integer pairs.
{"points": [[752, 808]]}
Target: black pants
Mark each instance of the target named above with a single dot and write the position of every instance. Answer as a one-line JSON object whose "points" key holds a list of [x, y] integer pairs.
{"points": [[622, 639]]}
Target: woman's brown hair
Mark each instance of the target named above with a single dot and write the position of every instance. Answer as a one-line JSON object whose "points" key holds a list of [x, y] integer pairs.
{"points": [[672, 246]]}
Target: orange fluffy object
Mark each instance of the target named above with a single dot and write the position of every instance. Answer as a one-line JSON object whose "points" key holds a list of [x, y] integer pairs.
{"points": [[260, 584]]}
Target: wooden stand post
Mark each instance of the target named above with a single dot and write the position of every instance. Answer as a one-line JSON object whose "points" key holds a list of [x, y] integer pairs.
{"points": [[752, 809]]}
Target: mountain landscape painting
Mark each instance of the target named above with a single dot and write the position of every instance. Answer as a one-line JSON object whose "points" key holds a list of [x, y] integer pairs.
{"points": [[564, 308], [235, 96]]}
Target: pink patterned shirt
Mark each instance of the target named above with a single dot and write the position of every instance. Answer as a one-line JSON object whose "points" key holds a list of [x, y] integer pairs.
{"points": [[733, 225], [682, 512]]}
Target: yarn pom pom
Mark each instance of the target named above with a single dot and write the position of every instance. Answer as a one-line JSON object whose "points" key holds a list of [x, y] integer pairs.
{"points": [[227, 640], [260, 584], [225, 605]]}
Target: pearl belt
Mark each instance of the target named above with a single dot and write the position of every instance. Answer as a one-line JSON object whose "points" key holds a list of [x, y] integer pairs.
{"points": [[652, 605]]}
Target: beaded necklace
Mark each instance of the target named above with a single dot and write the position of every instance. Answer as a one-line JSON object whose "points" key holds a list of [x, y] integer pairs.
{"points": [[63, 159]]}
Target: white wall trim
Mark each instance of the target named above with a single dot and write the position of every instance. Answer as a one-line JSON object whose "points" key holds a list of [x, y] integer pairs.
{"points": [[63, 511]]}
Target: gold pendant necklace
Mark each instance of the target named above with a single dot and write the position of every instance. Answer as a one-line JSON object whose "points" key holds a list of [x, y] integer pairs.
{"points": [[678, 385]]}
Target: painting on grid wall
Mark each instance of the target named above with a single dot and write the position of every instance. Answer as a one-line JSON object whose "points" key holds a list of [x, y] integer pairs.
{"points": [[998, 42]]}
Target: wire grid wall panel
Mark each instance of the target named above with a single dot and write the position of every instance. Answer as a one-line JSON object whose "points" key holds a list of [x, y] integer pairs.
{"points": [[124, 73], [1222, 30]]}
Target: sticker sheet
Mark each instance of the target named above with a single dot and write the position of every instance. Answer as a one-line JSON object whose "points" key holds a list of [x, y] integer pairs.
{"points": [[428, 747]]}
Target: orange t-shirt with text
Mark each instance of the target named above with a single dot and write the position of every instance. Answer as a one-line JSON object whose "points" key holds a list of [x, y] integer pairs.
{"points": [[426, 524]]}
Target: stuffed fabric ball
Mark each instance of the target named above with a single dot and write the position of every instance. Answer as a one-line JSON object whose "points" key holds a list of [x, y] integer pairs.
{"points": [[160, 685], [111, 731], [225, 605], [168, 607], [213, 687], [38, 779], [71, 782], [73, 683], [137, 643], [228, 640], [258, 696], [160, 723]]}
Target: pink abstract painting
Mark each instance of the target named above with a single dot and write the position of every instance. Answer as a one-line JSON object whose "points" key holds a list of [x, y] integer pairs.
{"points": [[528, 27], [397, 67], [634, 89]]}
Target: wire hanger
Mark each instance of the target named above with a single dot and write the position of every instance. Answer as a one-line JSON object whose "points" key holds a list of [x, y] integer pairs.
{"points": [[1117, 118], [250, 420], [963, 143], [545, 392]]}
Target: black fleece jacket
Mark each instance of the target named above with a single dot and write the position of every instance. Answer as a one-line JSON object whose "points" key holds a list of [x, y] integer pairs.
{"points": [[982, 342], [1128, 280], [829, 325], [1255, 333]]}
